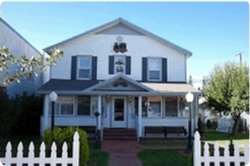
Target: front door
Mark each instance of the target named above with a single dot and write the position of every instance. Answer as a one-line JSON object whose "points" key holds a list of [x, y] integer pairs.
{"points": [[119, 112]]}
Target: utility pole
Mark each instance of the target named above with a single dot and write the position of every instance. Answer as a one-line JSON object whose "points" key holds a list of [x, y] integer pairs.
{"points": [[240, 55]]}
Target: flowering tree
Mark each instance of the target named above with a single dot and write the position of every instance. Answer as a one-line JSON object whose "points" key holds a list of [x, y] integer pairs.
{"points": [[24, 66]]}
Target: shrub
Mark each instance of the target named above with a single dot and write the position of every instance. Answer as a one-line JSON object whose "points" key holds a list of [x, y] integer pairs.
{"points": [[214, 124], [208, 124], [60, 135]]}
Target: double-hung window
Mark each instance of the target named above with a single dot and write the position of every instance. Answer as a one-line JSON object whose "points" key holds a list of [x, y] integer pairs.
{"points": [[64, 105], [154, 69], [84, 67], [151, 106], [87, 105]]}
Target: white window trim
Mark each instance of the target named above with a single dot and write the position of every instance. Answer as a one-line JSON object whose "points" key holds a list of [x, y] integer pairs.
{"points": [[78, 66], [148, 70]]}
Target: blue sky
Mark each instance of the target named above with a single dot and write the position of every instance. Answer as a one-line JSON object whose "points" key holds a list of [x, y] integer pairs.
{"points": [[213, 31]]}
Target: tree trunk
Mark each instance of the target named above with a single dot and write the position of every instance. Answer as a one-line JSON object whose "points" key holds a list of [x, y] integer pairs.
{"points": [[236, 125]]}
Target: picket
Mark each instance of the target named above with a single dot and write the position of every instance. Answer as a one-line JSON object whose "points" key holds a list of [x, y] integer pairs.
{"points": [[41, 160], [237, 158]]}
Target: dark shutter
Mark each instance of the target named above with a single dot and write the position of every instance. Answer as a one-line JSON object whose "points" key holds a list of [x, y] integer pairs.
{"points": [[164, 70], [144, 69], [73, 67], [111, 64], [128, 65], [94, 68]]}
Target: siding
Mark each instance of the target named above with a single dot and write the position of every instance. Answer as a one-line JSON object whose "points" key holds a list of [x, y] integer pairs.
{"points": [[138, 47], [17, 46]]}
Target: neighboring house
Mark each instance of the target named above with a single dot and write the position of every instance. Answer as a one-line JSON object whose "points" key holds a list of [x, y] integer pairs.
{"points": [[225, 121], [17, 46], [132, 77]]}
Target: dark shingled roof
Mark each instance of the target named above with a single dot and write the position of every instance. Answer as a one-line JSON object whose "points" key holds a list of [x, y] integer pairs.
{"points": [[66, 85]]}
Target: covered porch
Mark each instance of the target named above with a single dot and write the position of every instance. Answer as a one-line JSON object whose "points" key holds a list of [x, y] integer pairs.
{"points": [[122, 103]]}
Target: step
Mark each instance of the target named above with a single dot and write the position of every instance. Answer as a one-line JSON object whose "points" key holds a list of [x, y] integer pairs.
{"points": [[119, 134]]}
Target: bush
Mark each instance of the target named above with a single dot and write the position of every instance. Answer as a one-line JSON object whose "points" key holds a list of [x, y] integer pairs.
{"points": [[60, 135], [28, 110], [208, 124], [214, 125]]}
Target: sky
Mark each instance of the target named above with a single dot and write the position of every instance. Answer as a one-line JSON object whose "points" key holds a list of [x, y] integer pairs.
{"points": [[215, 32]]}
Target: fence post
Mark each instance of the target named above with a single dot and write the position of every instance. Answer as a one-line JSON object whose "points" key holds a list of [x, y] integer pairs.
{"points": [[8, 154], [197, 149], [76, 149]]}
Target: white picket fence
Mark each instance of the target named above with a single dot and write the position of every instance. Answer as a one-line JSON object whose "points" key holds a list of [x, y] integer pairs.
{"points": [[225, 125], [41, 160], [202, 154]]}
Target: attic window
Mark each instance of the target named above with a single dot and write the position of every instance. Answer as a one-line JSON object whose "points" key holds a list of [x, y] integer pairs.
{"points": [[120, 47]]}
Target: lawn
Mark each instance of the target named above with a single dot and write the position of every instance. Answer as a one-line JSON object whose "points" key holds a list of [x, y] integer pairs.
{"points": [[169, 157], [163, 157], [221, 138]]}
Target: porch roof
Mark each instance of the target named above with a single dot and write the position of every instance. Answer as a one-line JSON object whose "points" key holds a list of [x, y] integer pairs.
{"points": [[61, 86], [172, 88]]}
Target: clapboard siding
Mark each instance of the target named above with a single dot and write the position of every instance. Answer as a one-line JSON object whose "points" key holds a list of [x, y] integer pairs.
{"points": [[138, 46]]}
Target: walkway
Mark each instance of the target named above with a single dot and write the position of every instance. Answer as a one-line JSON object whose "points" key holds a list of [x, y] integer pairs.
{"points": [[124, 153]]}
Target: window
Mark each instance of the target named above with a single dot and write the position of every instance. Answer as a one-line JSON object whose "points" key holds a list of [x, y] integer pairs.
{"points": [[151, 106], [87, 105], [183, 109], [154, 69], [171, 106], [84, 67], [64, 105], [119, 64]]}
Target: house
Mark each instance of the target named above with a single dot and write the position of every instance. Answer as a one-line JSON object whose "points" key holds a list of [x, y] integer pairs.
{"points": [[17, 46], [130, 76], [223, 120]]}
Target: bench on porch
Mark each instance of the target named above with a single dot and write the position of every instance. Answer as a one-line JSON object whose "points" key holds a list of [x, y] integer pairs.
{"points": [[164, 130], [175, 129], [154, 130]]}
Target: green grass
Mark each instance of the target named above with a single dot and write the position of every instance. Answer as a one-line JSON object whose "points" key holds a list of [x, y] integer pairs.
{"points": [[214, 136], [98, 158], [162, 157]]}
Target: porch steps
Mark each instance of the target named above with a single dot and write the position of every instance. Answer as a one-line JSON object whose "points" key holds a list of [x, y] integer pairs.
{"points": [[119, 134]]}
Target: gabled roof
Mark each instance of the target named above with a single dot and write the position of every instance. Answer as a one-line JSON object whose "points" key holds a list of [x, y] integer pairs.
{"points": [[109, 85], [14, 31], [129, 25]]}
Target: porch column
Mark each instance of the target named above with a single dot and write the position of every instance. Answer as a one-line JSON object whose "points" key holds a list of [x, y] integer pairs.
{"points": [[99, 111], [139, 117]]}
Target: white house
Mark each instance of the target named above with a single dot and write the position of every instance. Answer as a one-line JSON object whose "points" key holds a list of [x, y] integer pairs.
{"points": [[132, 77], [17, 46]]}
